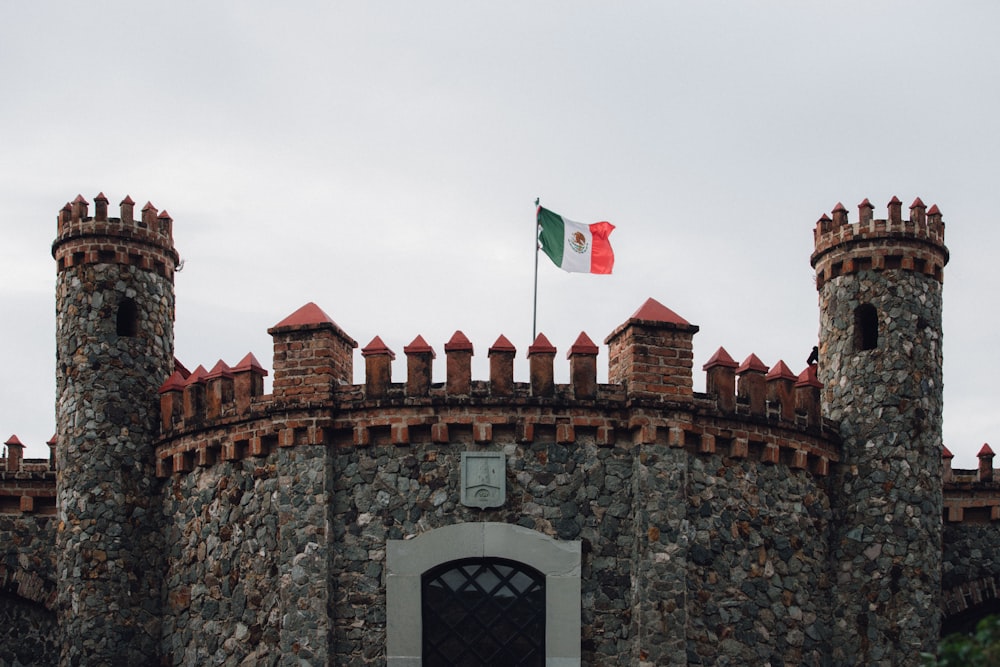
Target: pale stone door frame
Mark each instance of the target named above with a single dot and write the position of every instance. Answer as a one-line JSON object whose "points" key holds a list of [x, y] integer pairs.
{"points": [[407, 560]]}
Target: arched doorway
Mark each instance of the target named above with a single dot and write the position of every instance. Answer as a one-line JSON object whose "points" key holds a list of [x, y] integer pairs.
{"points": [[483, 611], [496, 563]]}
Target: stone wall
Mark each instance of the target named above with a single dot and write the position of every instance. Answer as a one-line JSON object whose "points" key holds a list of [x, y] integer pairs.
{"points": [[28, 631], [737, 548], [248, 551], [758, 584], [108, 414], [570, 492], [888, 403]]}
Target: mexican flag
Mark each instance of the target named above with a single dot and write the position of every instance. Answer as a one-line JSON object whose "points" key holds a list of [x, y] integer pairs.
{"points": [[574, 246]]}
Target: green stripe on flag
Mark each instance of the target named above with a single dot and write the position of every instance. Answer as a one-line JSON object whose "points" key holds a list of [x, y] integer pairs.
{"points": [[552, 235]]}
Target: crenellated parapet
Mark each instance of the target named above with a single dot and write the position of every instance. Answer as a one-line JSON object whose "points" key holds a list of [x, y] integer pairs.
{"points": [[222, 414], [753, 389], [971, 496], [915, 243], [190, 401], [144, 240], [27, 485]]}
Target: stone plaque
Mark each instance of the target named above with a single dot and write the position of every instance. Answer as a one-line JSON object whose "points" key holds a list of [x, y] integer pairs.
{"points": [[484, 479]]}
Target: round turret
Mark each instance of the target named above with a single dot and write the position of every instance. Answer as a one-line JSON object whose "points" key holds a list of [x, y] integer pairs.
{"points": [[114, 336], [880, 364]]}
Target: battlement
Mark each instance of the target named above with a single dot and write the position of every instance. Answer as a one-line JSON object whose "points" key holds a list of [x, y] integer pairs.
{"points": [[219, 415], [145, 242], [914, 244], [971, 496], [238, 505], [27, 485]]}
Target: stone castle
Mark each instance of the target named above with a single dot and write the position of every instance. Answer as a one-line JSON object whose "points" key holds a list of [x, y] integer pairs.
{"points": [[778, 518]]}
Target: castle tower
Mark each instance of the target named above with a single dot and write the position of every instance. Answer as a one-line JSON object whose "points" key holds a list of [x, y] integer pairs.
{"points": [[114, 339], [880, 362]]}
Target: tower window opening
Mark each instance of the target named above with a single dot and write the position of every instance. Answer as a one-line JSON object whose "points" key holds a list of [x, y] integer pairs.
{"points": [[128, 318], [865, 328]]}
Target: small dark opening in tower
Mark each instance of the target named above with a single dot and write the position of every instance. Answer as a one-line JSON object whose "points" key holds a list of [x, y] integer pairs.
{"points": [[128, 318], [865, 327]]}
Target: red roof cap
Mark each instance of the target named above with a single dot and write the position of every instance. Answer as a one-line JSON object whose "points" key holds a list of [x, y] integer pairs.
{"points": [[197, 376], [219, 370], [583, 345], [541, 346], [502, 345], [720, 358], [174, 383], [752, 363], [458, 343], [807, 378], [985, 451], [249, 363], [307, 314], [13, 440], [419, 346], [377, 347], [655, 311], [780, 371]]}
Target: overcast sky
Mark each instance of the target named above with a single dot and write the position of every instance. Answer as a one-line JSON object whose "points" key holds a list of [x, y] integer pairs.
{"points": [[382, 159]]}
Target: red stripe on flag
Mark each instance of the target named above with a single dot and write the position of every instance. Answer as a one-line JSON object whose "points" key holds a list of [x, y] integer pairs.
{"points": [[602, 257]]}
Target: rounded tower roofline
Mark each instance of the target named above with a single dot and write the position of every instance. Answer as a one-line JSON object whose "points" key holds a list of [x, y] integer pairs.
{"points": [[914, 244], [146, 242]]}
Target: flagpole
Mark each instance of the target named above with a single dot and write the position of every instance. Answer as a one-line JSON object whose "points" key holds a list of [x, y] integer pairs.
{"points": [[534, 307]]}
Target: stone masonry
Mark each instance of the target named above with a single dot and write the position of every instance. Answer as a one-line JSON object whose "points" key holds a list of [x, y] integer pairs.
{"points": [[779, 518]]}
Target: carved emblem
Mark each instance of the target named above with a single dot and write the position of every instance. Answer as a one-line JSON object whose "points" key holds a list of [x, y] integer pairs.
{"points": [[484, 479]]}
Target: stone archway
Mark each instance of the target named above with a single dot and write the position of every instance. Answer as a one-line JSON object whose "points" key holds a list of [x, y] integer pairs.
{"points": [[966, 604], [28, 623], [559, 562]]}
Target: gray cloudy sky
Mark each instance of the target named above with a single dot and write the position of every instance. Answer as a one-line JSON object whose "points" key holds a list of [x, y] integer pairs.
{"points": [[382, 159]]}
